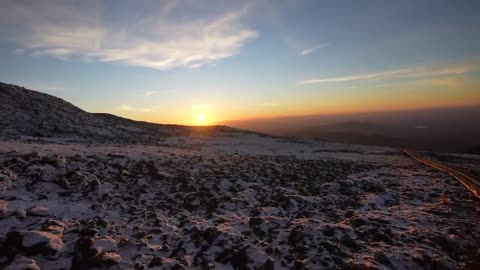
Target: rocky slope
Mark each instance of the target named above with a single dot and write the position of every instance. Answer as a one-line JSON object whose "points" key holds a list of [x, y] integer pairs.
{"points": [[25, 113]]}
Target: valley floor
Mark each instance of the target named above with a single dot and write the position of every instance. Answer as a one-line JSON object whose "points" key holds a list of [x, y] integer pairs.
{"points": [[233, 201]]}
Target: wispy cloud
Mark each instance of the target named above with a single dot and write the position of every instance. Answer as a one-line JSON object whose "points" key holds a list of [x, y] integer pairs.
{"points": [[314, 48], [149, 93], [415, 72], [126, 107], [18, 51], [160, 40]]}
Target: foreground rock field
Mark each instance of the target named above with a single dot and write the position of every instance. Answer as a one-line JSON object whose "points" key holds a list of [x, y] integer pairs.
{"points": [[240, 201]]}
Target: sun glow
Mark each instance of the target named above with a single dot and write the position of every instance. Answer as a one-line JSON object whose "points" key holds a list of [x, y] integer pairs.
{"points": [[201, 119]]}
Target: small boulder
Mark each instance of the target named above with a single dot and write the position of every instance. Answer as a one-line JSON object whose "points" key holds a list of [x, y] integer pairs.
{"points": [[268, 265], [105, 245], [240, 259], [107, 259], [357, 222], [254, 221], [300, 265], [296, 236], [58, 161], [36, 242], [3, 209], [156, 261], [6, 179], [20, 213], [38, 211], [381, 258], [22, 262], [141, 182]]}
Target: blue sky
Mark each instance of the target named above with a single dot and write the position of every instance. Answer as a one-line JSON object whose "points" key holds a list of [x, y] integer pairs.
{"points": [[168, 61]]}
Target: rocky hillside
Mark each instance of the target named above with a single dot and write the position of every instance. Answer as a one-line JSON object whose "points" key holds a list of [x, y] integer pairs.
{"points": [[25, 113]]}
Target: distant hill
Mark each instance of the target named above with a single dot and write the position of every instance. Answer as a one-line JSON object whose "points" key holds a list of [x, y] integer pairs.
{"points": [[26, 113], [440, 130]]}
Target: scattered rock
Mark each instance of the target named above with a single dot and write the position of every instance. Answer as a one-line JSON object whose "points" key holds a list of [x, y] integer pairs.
{"points": [[22, 263], [3, 209], [296, 236], [255, 221], [6, 179], [156, 261], [105, 245], [104, 260], [381, 258], [357, 222], [268, 265], [300, 265], [20, 213], [36, 242], [181, 211], [38, 211], [240, 259]]}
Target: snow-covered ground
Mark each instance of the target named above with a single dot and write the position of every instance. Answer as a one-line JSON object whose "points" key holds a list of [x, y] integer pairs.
{"points": [[230, 201]]}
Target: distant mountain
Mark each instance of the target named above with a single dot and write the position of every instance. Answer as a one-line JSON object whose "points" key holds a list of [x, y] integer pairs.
{"points": [[26, 113], [440, 129]]}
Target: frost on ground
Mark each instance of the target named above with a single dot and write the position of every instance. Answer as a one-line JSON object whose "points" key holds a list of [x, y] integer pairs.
{"points": [[241, 201]]}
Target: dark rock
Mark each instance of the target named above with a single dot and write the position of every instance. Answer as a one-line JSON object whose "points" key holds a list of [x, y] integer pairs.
{"points": [[381, 237], [350, 243], [254, 221], [381, 258], [299, 265], [210, 234], [156, 261], [90, 232], [267, 265], [349, 213], [357, 222], [112, 155], [200, 260], [11, 245], [3, 209], [63, 182], [329, 231], [224, 256], [296, 236], [179, 252], [240, 259]]}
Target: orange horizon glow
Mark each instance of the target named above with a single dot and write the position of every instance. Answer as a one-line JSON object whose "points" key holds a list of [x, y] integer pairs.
{"points": [[202, 120]]}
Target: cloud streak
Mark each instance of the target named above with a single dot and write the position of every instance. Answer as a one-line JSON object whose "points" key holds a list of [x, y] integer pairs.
{"points": [[126, 107], [65, 30], [149, 93], [314, 48], [417, 72]]}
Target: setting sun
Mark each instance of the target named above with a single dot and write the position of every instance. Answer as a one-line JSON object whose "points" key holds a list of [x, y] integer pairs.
{"points": [[201, 119]]}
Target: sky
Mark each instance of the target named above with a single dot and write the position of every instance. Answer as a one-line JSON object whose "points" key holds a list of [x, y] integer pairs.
{"points": [[201, 62]]}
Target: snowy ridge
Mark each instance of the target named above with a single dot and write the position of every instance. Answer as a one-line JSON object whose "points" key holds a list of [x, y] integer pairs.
{"points": [[31, 115]]}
